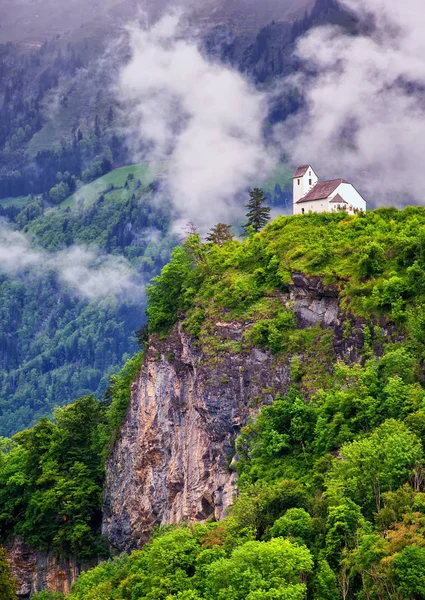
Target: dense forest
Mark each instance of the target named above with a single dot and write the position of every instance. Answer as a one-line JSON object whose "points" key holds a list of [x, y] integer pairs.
{"points": [[55, 344], [331, 497]]}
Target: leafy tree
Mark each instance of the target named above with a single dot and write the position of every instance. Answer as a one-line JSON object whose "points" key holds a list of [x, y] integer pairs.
{"points": [[326, 584], [261, 570], [258, 215], [341, 528], [409, 568], [376, 464], [372, 262], [295, 524], [166, 292], [220, 234], [58, 470]]}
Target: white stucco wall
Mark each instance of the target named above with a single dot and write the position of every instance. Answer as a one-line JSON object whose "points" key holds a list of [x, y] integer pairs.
{"points": [[316, 206], [304, 185], [351, 196]]}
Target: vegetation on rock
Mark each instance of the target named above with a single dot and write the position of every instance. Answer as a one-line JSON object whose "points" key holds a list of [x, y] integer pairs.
{"points": [[331, 476], [7, 585]]}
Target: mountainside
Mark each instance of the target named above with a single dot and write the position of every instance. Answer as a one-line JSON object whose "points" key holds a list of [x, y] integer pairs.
{"points": [[284, 375], [60, 341], [59, 110]]}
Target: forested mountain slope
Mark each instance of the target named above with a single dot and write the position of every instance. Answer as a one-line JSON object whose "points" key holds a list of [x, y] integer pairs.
{"points": [[57, 344], [297, 357]]}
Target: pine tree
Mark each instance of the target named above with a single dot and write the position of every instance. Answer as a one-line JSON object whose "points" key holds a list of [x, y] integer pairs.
{"points": [[220, 234], [7, 585], [258, 215]]}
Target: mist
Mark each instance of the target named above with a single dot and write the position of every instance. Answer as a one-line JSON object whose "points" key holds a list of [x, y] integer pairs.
{"points": [[85, 271], [365, 109], [203, 118]]}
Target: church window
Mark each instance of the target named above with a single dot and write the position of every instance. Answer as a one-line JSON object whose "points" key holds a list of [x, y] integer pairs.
{"points": [[302, 210], [309, 182], [299, 182]]}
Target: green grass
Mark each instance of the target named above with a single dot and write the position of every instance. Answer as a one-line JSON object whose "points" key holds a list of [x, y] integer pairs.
{"points": [[19, 201], [146, 172]]}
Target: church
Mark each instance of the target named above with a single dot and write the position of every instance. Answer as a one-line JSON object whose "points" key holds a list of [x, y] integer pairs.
{"points": [[312, 195]]}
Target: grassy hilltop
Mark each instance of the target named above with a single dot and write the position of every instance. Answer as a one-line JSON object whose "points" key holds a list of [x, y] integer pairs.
{"points": [[331, 495]]}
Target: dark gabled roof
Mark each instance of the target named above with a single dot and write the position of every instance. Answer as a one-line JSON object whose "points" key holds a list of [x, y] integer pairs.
{"points": [[301, 171], [322, 190], [338, 200]]}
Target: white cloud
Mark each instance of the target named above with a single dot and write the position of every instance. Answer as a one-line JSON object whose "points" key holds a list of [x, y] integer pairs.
{"points": [[85, 271], [365, 110], [204, 118]]}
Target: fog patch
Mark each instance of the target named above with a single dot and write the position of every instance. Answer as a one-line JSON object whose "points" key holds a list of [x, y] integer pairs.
{"points": [[86, 271]]}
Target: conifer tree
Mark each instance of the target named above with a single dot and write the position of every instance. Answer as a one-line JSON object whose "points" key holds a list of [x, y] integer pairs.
{"points": [[220, 234], [258, 215], [7, 585]]}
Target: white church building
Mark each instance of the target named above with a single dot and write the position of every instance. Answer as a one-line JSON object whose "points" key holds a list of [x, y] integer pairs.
{"points": [[312, 195]]}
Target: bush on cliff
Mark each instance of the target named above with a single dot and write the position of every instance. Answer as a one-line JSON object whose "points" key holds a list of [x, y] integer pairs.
{"points": [[7, 584]]}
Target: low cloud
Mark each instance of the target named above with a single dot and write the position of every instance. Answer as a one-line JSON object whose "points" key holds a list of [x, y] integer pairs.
{"points": [[365, 109], [205, 119], [86, 271]]}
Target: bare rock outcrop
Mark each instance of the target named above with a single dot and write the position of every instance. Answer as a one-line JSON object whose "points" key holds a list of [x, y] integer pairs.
{"points": [[170, 463], [35, 571]]}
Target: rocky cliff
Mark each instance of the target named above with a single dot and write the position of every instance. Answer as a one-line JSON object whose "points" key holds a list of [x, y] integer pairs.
{"points": [[172, 461], [36, 571]]}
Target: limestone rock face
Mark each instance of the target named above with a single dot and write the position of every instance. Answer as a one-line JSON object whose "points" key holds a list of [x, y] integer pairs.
{"points": [[170, 463], [37, 571]]}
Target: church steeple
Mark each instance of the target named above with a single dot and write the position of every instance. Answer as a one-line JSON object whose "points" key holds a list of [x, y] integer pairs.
{"points": [[304, 180]]}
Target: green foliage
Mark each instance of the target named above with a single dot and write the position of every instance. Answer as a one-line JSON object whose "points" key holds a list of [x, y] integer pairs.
{"points": [[270, 333], [409, 569], [378, 463], [260, 571], [220, 234], [118, 393], [177, 564], [55, 345], [7, 585], [51, 476], [169, 292], [258, 214], [45, 595], [326, 584], [296, 524], [52, 479], [372, 262], [331, 498]]}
